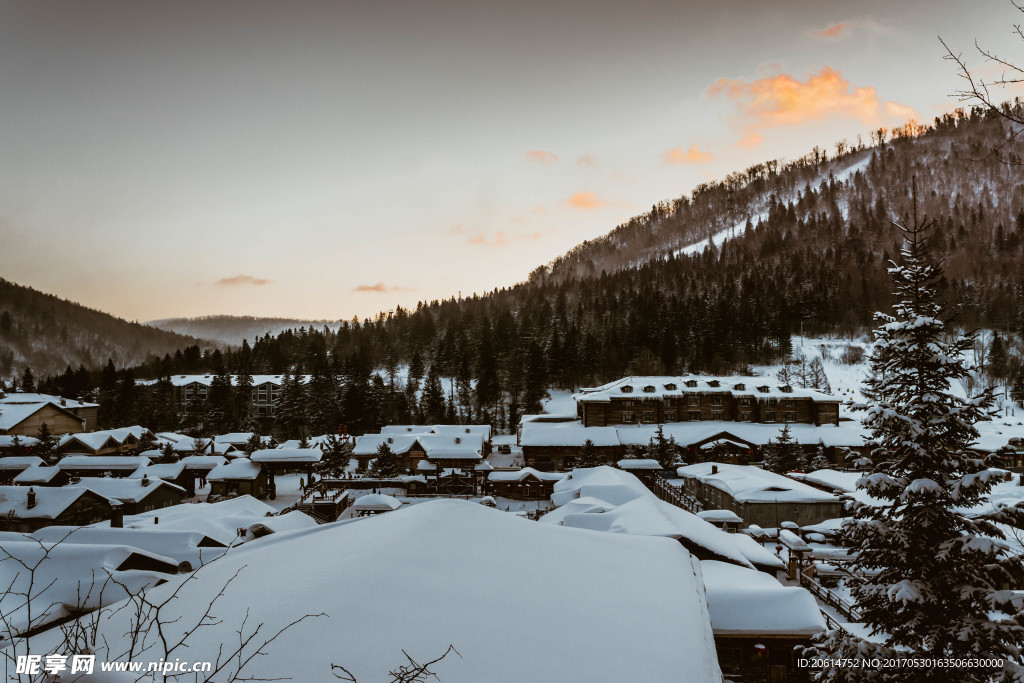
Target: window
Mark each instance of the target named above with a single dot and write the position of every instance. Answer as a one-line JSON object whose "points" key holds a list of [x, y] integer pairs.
{"points": [[786, 389], [713, 383], [627, 404], [717, 415], [648, 416], [670, 415], [740, 387], [789, 403], [627, 416], [773, 401], [745, 416], [695, 400], [716, 400], [789, 416], [693, 415], [745, 401], [669, 402], [648, 389], [769, 416], [626, 389], [691, 383], [763, 389], [670, 387]]}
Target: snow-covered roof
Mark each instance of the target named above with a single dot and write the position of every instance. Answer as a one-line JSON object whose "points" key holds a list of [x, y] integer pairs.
{"points": [[483, 431], [566, 434], [369, 443], [125, 489], [395, 430], [167, 471], [750, 484], [454, 557], [7, 440], [219, 521], [121, 434], [290, 521], [28, 397], [173, 437], [202, 462], [639, 464], [37, 474], [68, 579], [287, 455], [525, 473], [90, 441], [19, 462], [607, 483], [665, 387], [758, 555], [845, 482], [745, 601], [376, 502], [51, 501], [13, 414], [103, 463], [207, 380], [577, 505], [235, 438], [240, 468], [452, 446], [721, 516], [181, 545]]}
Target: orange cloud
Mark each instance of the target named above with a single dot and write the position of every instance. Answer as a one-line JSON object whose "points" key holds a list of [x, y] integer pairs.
{"points": [[541, 156], [477, 238], [676, 155], [782, 100], [586, 160], [586, 201], [381, 288], [845, 28], [831, 32], [243, 280], [751, 140]]}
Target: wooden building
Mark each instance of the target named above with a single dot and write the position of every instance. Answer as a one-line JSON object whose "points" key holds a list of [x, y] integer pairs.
{"points": [[525, 484], [656, 400], [42, 475], [85, 412], [27, 508], [26, 419], [12, 466], [240, 477], [135, 495], [101, 465], [758, 496]]}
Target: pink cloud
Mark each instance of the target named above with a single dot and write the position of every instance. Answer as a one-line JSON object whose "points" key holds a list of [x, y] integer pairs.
{"points": [[243, 280], [694, 155], [540, 156], [381, 288]]}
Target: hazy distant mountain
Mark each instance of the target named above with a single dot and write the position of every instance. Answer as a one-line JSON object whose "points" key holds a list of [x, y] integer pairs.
{"points": [[48, 333], [232, 329]]}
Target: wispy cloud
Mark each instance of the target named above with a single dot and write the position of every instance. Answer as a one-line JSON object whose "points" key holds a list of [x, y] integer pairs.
{"points": [[243, 280], [540, 156], [478, 238], [587, 201], [694, 155], [784, 100], [844, 29], [586, 160], [381, 288]]}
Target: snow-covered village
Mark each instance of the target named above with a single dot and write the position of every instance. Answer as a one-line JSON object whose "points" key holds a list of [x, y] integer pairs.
{"points": [[337, 342]]}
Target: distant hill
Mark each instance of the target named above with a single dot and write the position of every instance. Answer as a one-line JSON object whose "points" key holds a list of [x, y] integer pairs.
{"points": [[232, 329], [48, 333]]}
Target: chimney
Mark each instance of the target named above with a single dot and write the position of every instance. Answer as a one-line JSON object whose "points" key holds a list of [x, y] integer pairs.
{"points": [[145, 480], [458, 440], [714, 469], [63, 401], [117, 518], [30, 499], [156, 520]]}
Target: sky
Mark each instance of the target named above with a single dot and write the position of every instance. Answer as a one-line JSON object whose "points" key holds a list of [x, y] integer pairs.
{"points": [[319, 159]]}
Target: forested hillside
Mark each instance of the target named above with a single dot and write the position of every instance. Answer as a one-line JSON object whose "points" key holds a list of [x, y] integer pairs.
{"points": [[232, 329], [47, 333], [811, 254]]}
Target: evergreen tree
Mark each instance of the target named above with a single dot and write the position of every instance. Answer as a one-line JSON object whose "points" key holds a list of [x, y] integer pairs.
{"points": [[255, 443], [28, 381], [432, 403], [46, 448], [783, 454], [588, 456], [819, 461], [816, 377], [337, 456], [220, 402], [933, 577], [291, 407], [664, 450], [1017, 390], [385, 465], [243, 394], [18, 448], [997, 359]]}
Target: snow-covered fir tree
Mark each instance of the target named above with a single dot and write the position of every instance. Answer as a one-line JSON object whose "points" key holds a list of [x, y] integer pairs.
{"points": [[385, 465], [783, 454], [665, 451], [819, 461], [935, 579], [588, 456]]}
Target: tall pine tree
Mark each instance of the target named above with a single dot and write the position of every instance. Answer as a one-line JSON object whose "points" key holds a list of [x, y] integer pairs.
{"points": [[935, 578]]}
